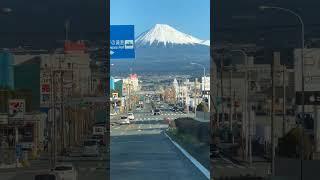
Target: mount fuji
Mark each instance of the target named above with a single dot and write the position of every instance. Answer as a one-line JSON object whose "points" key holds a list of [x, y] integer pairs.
{"points": [[163, 49], [165, 35]]}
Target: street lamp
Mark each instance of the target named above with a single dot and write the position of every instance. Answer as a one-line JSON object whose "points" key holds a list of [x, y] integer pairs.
{"points": [[302, 45], [302, 65]]}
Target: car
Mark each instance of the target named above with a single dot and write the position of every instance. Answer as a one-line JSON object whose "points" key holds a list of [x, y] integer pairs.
{"points": [[100, 138], [66, 171], [124, 120], [90, 147], [157, 112], [174, 109], [47, 176], [98, 130], [130, 116]]}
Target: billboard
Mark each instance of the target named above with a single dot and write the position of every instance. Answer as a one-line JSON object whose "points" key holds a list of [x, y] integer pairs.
{"points": [[44, 89], [311, 69], [122, 42], [17, 108]]}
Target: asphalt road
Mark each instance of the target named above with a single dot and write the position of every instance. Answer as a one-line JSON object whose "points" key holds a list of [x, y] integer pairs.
{"points": [[87, 167], [141, 151]]}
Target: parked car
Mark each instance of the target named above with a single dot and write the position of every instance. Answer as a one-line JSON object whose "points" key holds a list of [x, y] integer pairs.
{"points": [[66, 171], [157, 112], [124, 120], [174, 109], [90, 147], [130, 116]]}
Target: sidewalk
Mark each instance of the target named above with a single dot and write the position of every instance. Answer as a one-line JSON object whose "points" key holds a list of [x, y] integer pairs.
{"points": [[259, 166]]}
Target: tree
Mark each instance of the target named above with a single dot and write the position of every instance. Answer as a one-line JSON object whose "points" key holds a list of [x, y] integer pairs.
{"points": [[289, 145], [203, 107]]}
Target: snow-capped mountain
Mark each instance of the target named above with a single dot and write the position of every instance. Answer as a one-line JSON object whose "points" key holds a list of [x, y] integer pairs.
{"points": [[163, 49], [206, 42], [165, 35]]}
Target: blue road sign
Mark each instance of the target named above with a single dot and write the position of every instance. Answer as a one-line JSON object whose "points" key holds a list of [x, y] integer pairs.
{"points": [[122, 42]]}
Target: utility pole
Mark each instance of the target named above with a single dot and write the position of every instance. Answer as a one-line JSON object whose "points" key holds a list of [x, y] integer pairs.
{"points": [[221, 86], [284, 101], [273, 69], [235, 110], [230, 113], [245, 119]]}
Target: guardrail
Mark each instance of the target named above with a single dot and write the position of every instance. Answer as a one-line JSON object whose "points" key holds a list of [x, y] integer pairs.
{"points": [[203, 116]]}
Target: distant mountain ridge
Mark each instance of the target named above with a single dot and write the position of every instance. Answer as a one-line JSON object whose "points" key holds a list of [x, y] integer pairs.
{"points": [[163, 49]]}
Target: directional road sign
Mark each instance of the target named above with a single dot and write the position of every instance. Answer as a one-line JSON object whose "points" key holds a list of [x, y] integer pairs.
{"points": [[122, 42]]}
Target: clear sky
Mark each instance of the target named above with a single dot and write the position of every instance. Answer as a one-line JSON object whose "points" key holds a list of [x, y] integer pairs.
{"points": [[189, 16]]}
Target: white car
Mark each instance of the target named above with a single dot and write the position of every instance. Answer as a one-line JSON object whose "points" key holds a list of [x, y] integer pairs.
{"points": [[91, 147], [66, 171], [124, 120], [130, 116]]}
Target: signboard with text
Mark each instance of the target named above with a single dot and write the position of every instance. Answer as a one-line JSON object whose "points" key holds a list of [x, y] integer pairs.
{"points": [[310, 98], [44, 89], [17, 108], [122, 42]]}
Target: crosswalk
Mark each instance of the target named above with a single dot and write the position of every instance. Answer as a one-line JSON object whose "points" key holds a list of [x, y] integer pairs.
{"points": [[148, 118], [162, 114]]}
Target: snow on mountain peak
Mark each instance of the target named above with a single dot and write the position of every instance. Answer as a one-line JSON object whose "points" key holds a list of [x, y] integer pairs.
{"points": [[165, 34]]}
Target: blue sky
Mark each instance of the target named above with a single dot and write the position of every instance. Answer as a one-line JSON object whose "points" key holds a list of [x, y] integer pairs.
{"points": [[189, 16]]}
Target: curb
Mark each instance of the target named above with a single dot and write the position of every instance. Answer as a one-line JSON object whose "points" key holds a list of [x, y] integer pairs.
{"points": [[196, 163]]}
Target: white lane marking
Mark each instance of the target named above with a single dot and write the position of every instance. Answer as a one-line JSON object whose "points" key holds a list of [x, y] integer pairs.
{"points": [[124, 142], [204, 170]]}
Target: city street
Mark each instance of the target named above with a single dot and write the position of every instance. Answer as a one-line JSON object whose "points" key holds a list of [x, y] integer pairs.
{"points": [[141, 150], [87, 167]]}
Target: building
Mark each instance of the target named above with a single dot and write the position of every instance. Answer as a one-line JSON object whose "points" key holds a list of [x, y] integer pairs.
{"points": [[6, 70]]}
